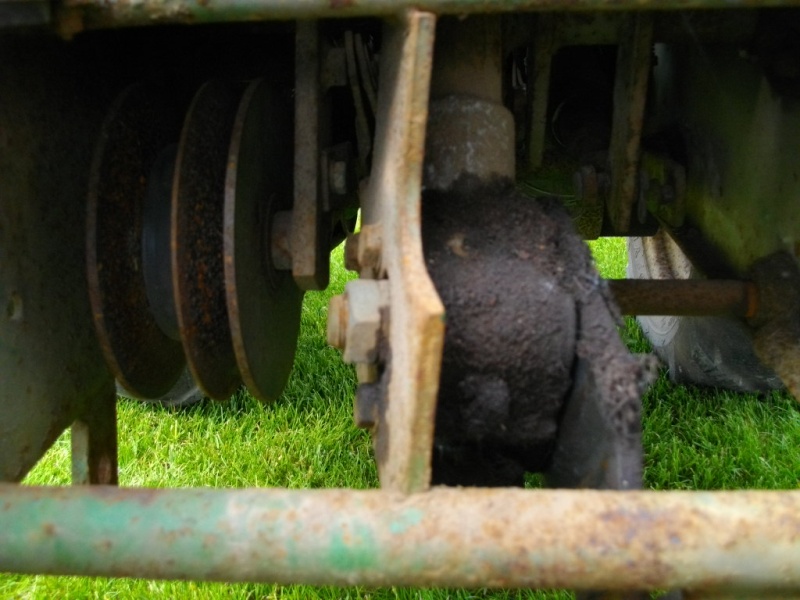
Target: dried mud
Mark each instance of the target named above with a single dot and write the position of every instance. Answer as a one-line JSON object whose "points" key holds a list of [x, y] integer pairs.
{"points": [[523, 301]]}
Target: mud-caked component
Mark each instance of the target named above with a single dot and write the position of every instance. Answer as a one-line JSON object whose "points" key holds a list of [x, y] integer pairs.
{"points": [[531, 348]]}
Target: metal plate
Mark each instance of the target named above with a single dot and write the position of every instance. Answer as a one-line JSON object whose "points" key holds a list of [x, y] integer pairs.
{"points": [[142, 122], [51, 368], [403, 438], [196, 240], [310, 258], [263, 303]]}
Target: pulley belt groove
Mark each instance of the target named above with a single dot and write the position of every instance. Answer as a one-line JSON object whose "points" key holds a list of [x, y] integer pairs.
{"points": [[180, 240]]}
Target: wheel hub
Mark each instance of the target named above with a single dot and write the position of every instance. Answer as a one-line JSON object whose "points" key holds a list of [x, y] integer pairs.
{"points": [[529, 325]]}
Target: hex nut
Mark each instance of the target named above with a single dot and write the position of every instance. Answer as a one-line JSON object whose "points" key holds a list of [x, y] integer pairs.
{"points": [[365, 300]]}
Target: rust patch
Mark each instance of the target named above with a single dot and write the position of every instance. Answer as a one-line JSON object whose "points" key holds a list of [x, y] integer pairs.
{"points": [[196, 239]]}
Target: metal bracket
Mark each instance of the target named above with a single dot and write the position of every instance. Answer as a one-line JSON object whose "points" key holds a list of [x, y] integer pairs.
{"points": [[544, 48], [390, 243], [52, 368], [94, 443], [634, 61], [309, 241]]}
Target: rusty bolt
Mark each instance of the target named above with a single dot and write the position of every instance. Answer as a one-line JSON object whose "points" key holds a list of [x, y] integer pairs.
{"points": [[365, 405], [370, 242], [337, 322], [366, 373], [351, 253], [366, 299], [355, 320]]}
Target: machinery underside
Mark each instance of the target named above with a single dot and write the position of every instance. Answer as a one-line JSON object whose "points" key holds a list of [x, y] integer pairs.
{"points": [[168, 194]]}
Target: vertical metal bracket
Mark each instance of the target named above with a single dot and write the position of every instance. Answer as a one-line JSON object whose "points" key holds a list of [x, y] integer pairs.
{"points": [[544, 48], [51, 367], [94, 443], [391, 243], [630, 93], [309, 243]]}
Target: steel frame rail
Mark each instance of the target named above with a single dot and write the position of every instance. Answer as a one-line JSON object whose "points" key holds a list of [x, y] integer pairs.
{"points": [[743, 541], [78, 14], [748, 542]]}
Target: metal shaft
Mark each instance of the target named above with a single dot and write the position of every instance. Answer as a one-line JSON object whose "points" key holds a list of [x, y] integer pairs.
{"points": [[445, 537], [685, 297]]}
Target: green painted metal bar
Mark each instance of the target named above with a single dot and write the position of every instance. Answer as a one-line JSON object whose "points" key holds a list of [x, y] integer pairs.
{"points": [[75, 15], [445, 537]]}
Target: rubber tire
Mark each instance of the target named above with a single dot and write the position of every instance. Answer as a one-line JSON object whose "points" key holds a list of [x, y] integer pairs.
{"points": [[706, 351], [184, 393]]}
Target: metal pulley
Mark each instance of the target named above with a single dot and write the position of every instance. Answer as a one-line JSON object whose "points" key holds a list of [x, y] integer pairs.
{"points": [[180, 240]]}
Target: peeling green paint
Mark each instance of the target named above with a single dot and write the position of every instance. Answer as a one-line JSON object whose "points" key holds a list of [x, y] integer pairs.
{"points": [[408, 519], [353, 548]]}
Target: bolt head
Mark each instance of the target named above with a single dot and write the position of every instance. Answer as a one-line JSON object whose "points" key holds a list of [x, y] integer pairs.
{"points": [[337, 322], [351, 262], [364, 298], [365, 405]]}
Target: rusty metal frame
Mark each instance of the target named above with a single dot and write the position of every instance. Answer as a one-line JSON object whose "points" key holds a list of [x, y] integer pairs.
{"points": [[391, 244], [634, 61], [743, 541], [710, 541], [76, 15], [46, 327], [310, 265]]}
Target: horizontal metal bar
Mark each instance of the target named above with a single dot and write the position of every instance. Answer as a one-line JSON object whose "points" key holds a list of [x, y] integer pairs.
{"points": [[684, 297], [77, 14], [445, 537], [23, 13]]}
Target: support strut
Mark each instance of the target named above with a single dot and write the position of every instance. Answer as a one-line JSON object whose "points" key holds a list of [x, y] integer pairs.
{"points": [[685, 297], [446, 537]]}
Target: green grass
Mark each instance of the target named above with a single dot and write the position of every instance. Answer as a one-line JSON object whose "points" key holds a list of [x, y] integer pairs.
{"points": [[694, 439], [701, 439]]}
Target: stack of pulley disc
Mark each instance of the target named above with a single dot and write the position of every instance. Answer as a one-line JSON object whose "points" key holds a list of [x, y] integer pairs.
{"points": [[180, 236]]}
